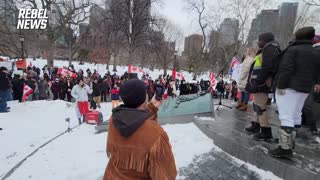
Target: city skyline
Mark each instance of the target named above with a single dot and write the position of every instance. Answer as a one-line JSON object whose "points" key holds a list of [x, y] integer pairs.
{"points": [[175, 11]]}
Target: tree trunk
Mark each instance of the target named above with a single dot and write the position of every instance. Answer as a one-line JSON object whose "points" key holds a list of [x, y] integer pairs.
{"points": [[115, 63], [70, 56], [50, 52], [165, 67]]}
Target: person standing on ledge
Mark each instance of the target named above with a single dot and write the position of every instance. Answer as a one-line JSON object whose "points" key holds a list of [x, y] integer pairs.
{"points": [[137, 146], [260, 82]]}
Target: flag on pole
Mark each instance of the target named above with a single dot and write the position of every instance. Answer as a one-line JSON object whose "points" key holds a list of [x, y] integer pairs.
{"points": [[26, 92], [133, 69], [212, 80], [232, 64], [176, 75]]}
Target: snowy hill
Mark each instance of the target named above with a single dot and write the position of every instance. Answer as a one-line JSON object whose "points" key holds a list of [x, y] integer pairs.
{"points": [[101, 69]]}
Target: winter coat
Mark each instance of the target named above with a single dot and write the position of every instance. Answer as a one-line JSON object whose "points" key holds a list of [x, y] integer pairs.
{"points": [[244, 73], [104, 87], [31, 83], [63, 86], [96, 89], [4, 82], [298, 67], [17, 87], [262, 70], [80, 94], [55, 88], [132, 156], [115, 94], [43, 89]]}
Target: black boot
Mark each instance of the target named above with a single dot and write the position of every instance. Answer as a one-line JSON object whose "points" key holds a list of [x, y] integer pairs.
{"points": [[79, 119], [264, 135], [286, 140], [84, 119], [254, 128]]}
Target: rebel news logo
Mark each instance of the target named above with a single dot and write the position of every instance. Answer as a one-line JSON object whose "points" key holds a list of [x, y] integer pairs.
{"points": [[36, 19]]}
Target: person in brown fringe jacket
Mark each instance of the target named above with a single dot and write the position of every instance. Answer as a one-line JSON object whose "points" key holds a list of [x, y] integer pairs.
{"points": [[137, 146]]}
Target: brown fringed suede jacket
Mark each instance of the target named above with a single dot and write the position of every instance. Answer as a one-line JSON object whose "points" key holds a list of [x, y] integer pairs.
{"points": [[137, 146]]}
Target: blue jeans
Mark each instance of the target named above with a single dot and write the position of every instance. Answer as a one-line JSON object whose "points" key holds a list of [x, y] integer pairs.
{"points": [[244, 97], [5, 95]]}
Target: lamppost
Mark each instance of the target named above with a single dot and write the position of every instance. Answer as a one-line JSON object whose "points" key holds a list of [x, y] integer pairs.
{"points": [[22, 50], [175, 60]]}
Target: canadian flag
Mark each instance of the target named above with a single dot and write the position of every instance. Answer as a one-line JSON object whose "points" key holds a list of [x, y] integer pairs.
{"points": [[176, 75], [26, 92], [212, 80], [66, 72], [132, 69]]}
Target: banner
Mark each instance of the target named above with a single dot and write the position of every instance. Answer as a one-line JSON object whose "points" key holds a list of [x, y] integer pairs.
{"points": [[132, 69], [65, 72], [26, 92], [21, 64]]}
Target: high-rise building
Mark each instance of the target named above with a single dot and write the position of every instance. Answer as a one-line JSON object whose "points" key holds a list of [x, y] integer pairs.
{"points": [[193, 44], [54, 15], [266, 21], [214, 39], [288, 15], [97, 15], [229, 31]]}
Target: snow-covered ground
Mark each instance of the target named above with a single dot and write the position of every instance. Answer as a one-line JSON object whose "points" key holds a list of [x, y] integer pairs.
{"points": [[81, 153], [76, 155]]}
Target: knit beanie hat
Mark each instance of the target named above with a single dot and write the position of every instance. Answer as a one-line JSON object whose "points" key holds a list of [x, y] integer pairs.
{"points": [[316, 39], [133, 93], [305, 33], [266, 37]]}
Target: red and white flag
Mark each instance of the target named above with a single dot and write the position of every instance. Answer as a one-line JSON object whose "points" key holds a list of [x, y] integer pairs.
{"points": [[234, 62], [212, 80], [26, 92], [66, 72], [176, 75], [133, 69]]}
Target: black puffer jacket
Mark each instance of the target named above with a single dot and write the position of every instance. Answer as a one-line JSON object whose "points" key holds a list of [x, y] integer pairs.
{"points": [[4, 81], [298, 67]]}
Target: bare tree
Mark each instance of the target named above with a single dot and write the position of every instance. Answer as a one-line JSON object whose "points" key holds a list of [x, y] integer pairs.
{"points": [[69, 14], [199, 7], [163, 41], [132, 18], [9, 39], [245, 11], [307, 15], [312, 2]]}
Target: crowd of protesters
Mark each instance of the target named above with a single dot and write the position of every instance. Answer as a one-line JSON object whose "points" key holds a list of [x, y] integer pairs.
{"points": [[49, 84]]}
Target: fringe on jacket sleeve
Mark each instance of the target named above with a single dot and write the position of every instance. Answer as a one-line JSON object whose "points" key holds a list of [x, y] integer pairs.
{"points": [[162, 164], [153, 112]]}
